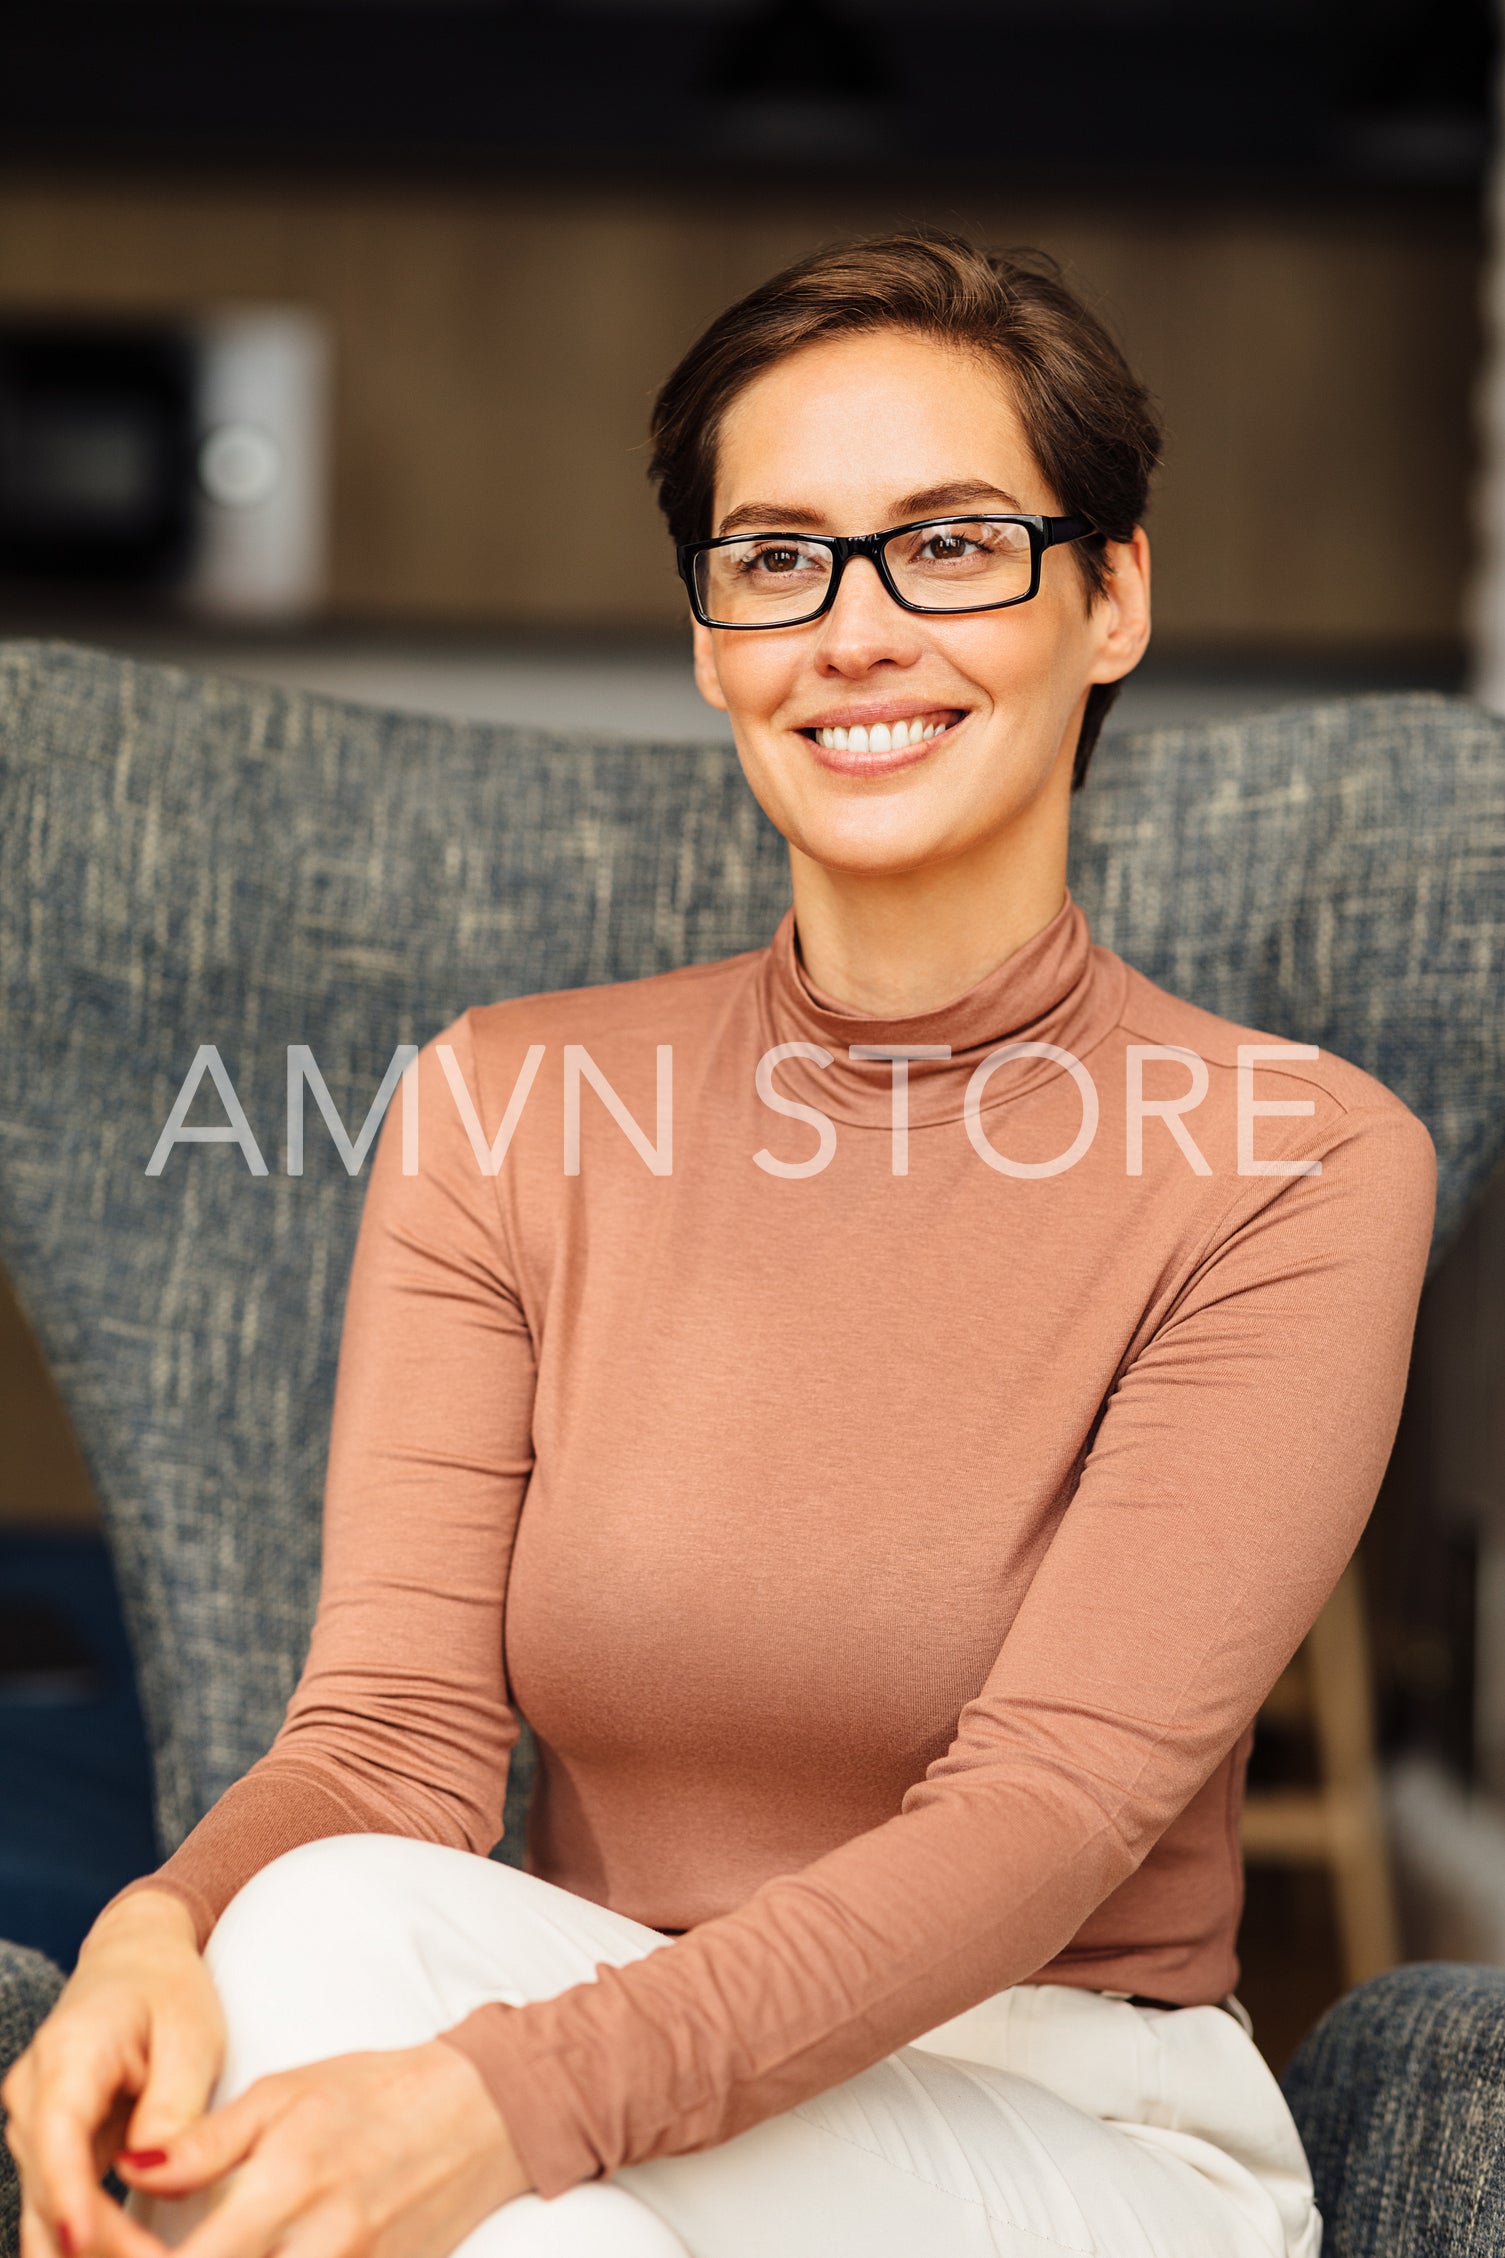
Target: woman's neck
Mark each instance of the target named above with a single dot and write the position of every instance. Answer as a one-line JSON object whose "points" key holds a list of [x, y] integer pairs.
{"points": [[892, 946]]}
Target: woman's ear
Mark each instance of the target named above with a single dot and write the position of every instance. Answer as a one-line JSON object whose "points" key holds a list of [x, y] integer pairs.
{"points": [[707, 680], [1121, 614]]}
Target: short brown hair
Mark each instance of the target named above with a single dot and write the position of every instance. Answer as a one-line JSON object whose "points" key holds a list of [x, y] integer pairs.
{"points": [[1089, 421]]}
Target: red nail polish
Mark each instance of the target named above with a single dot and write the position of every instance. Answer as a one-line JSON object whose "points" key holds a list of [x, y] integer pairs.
{"points": [[65, 2238], [143, 2158]]}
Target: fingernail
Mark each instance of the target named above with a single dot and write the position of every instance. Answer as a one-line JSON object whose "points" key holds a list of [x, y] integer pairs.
{"points": [[65, 2238], [143, 2158]]}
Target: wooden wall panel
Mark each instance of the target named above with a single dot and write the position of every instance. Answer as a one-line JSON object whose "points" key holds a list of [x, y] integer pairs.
{"points": [[497, 349], [43, 1484]]}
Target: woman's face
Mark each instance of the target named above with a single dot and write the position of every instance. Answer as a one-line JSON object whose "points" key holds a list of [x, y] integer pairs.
{"points": [[850, 436]]}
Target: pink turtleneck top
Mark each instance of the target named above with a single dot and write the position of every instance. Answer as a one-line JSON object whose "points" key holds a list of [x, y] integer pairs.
{"points": [[889, 1545]]}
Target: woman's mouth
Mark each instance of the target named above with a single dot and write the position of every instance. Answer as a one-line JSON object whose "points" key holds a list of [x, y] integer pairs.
{"points": [[881, 745]]}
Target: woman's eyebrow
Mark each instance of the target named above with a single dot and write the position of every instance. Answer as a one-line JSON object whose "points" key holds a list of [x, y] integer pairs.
{"points": [[959, 493], [931, 501], [770, 516]]}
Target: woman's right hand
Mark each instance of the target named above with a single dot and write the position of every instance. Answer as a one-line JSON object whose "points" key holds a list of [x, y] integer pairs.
{"points": [[128, 2056]]}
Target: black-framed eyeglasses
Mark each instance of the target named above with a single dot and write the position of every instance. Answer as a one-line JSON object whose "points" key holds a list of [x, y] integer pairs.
{"points": [[935, 564]]}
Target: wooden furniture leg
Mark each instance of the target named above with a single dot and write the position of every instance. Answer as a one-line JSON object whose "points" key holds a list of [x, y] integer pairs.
{"points": [[1339, 1824]]}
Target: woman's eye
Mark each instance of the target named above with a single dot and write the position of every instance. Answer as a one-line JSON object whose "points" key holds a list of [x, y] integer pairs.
{"points": [[943, 548], [778, 560]]}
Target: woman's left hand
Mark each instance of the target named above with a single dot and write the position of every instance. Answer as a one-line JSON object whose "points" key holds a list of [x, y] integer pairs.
{"points": [[390, 2155]]}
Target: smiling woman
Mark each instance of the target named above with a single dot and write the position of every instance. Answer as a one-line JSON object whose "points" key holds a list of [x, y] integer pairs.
{"points": [[900, 385], [890, 1559]]}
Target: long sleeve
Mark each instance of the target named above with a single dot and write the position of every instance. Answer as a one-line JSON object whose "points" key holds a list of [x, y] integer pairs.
{"points": [[400, 1722], [901, 1560], [1229, 1477]]}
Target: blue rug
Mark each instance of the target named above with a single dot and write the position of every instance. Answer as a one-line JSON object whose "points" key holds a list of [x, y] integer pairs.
{"points": [[75, 1778]]}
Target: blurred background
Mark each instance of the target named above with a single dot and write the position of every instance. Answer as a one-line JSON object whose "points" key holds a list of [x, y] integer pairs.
{"points": [[328, 333]]}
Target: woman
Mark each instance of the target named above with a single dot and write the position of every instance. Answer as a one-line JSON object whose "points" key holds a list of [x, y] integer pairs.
{"points": [[911, 1388]]}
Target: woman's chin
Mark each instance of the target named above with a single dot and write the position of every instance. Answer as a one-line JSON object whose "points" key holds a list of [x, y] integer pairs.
{"points": [[925, 813], [851, 842]]}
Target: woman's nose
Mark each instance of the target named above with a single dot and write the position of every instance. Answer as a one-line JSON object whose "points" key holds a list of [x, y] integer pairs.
{"points": [[865, 627]]}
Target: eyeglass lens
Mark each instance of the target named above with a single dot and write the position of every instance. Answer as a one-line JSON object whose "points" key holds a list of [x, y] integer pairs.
{"points": [[959, 564]]}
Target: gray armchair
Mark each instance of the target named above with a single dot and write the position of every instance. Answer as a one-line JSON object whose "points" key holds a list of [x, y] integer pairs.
{"points": [[1400, 2096], [189, 861]]}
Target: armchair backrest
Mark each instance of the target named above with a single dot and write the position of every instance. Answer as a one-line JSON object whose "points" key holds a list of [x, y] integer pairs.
{"points": [[188, 861]]}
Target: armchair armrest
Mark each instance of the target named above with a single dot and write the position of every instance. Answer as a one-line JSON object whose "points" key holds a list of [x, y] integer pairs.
{"points": [[1399, 2094], [29, 1983]]}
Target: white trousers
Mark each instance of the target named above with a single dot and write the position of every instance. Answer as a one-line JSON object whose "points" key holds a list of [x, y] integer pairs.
{"points": [[1046, 2120]]}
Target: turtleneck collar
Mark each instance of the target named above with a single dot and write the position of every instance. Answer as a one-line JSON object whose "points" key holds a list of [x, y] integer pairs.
{"points": [[1057, 988]]}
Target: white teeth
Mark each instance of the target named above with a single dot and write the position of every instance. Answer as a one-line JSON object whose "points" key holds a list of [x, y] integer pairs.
{"points": [[881, 737]]}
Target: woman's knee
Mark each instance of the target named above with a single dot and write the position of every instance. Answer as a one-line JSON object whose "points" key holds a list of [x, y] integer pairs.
{"points": [[327, 1917], [395, 1939], [327, 1894], [328, 1950], [593, 2220]]}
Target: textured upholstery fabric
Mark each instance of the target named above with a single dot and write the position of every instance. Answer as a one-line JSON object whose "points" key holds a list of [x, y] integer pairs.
{"points": [[1400, 2097], [187, 861], [28, 1986]]}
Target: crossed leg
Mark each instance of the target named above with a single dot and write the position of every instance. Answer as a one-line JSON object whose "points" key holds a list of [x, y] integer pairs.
{"points": [[372, 1941]]}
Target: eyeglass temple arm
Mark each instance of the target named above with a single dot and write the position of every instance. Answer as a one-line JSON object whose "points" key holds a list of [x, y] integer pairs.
{"points": [[1065, 529]]}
